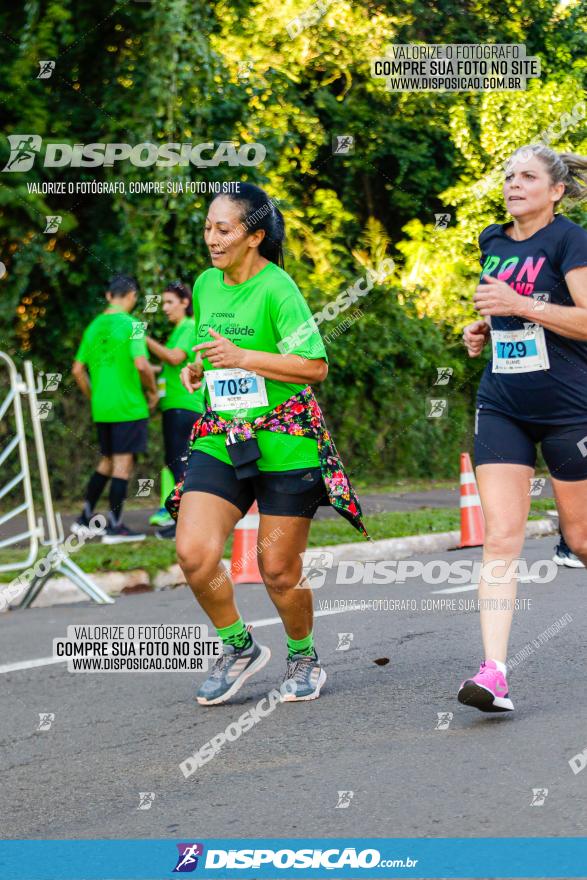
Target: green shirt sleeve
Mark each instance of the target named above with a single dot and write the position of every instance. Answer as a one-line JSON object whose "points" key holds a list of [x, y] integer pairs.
{"points": [[296, 329], [186, 339], [81, 354], [138, 342]]}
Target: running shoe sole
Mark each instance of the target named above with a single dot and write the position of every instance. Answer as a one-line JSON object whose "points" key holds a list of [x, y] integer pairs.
{"points": [[122, 539], [261, 661], [473, 694], [291, 698], [569, 563]]}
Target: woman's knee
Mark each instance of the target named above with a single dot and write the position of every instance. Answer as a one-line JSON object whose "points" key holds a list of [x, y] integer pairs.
{"points": [[197, 558], [280, 574], [504, 540]]}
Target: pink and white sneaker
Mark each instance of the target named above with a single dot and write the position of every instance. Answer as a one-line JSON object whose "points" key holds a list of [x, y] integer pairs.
{"points": [[487, 691]]}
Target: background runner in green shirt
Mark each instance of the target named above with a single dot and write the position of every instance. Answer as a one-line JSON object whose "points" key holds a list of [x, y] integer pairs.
{"points": [[114, 353], [179, 407], [109, 347]]}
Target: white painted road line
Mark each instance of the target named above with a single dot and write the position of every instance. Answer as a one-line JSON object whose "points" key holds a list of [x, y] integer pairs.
{"points": [[50, 661], [31, 664], [467, 587], [464, 589], [265, 621]]}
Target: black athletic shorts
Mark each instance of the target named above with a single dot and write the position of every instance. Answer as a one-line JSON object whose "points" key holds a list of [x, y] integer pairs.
{"points": [[177, 427], [116, 438], [502, 439], [278, 493]]}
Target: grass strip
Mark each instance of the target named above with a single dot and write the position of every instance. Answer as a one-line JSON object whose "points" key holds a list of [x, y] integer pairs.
{"points": [[154, 555]]}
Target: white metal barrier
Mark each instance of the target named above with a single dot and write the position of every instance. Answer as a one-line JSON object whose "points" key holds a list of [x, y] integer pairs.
{"points": [[18, 441], [36, 532]]}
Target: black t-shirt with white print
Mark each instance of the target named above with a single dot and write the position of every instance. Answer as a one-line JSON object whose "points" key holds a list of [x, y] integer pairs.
{"points": [[537, 265]]}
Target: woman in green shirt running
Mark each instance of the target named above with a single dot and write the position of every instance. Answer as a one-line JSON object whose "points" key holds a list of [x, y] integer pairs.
{"points": [[179, 408], [260, 351]]}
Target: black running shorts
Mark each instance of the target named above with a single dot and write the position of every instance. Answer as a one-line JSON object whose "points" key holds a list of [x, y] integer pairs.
{"points": [[278, 493], [117, 438], [502, 439]]}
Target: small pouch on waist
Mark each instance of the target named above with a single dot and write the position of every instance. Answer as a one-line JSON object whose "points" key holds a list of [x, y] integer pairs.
{"points": [[243, 455]]}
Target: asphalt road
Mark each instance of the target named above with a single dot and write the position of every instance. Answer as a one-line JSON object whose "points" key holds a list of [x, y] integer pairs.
{"points": [[374, 731]]}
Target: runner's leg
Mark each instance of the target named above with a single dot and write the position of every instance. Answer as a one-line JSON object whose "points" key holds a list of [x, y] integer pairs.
{"points": [[97, 482], [128, 439], [205, 521], [571, 500], [105, 466], [122, 466], [282, 541], [505, 497], [96, 485], [177, 427]]}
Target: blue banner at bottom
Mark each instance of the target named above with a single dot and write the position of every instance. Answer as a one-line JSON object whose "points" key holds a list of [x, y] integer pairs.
{"points": [[223, 859]]}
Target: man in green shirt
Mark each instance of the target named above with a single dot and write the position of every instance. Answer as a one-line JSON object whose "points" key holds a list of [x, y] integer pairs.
{"points": [[114, 352]]}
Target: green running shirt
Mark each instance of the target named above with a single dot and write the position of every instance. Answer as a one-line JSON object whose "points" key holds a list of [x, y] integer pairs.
{"points": [[108, 349], [258, 314]]}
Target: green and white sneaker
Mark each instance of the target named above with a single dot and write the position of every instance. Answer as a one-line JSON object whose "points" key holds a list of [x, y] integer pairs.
{"points": [[231, 671], [304, 678], [161, 518]]}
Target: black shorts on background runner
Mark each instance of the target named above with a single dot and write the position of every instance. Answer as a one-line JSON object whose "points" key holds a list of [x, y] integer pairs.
{"points": [[279, 493], [118, 438], [177, 427], [502, 439]]}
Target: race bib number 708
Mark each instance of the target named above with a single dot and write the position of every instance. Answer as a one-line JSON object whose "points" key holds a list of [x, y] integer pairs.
{"points": [[235, 389]]}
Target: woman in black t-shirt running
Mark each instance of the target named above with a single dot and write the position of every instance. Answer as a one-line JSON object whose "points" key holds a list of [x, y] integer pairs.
{"points": [[533, 301]]}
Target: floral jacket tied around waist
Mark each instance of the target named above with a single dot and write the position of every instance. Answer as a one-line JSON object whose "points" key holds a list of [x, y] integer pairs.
{"points": [[299, 415]]}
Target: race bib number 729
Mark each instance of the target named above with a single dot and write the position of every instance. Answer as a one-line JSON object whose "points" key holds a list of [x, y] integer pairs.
{"points": [[520, 351]]}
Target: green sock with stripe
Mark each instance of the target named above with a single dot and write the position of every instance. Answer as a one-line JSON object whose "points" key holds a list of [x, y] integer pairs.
{"points": [[301, 646], [236, 635]]}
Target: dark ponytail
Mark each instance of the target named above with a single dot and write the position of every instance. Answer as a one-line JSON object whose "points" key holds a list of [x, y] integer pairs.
{"points": [[183, 293], [258, 211]]}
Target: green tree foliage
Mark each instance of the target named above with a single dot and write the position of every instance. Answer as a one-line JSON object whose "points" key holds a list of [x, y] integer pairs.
{"points": [[190, 72]]}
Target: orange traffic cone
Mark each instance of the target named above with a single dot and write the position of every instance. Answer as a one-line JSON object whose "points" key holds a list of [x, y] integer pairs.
{"points": [[472, 521], [244, 568]]}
